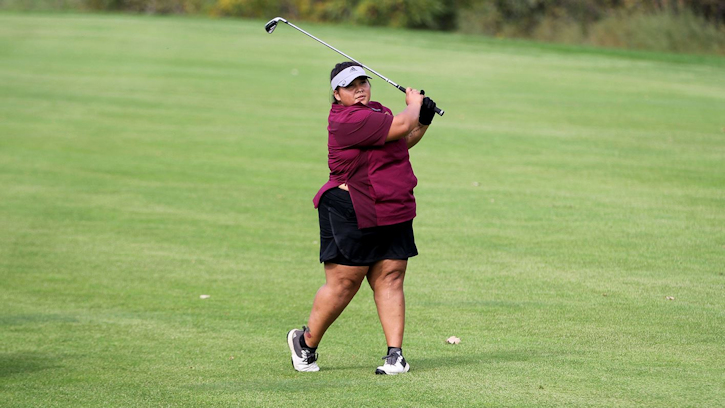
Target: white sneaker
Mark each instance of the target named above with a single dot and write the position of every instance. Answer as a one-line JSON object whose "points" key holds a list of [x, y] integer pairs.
{"points": [[302, 359], [394, 364]]}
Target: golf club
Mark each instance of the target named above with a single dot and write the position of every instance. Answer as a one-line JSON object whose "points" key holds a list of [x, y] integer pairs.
{"points": [[272, 24]]}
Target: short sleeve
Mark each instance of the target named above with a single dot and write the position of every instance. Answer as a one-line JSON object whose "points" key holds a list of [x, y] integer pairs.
{"points": [[361, 128]]}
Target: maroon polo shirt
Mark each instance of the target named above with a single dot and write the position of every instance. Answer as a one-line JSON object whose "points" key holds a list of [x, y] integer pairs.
{"points": [[378, 174]]}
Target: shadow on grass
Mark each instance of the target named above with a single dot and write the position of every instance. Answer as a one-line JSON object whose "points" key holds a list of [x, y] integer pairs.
{"points": [[444, 360], [20, 319], [344, 376], [21, 363]]}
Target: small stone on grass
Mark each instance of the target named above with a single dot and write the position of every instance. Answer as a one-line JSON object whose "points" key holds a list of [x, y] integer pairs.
{"points": [[453, 340]]}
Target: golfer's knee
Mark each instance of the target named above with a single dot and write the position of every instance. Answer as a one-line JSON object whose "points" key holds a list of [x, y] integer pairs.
{"points": [[393, 278], [346, 287]]}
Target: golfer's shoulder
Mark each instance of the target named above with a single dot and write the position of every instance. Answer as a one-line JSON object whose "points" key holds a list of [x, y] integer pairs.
{"points": [[356, 113], [378, 107]]}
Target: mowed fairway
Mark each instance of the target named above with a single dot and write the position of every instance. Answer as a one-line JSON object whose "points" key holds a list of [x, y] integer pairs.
{"points": [[571, 219]]}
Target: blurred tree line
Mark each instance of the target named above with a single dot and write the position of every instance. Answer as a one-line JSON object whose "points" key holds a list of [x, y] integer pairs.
{"points": [[430, 14], [668, 25]]}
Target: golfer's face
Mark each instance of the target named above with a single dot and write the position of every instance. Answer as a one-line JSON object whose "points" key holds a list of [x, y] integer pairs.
{"points": [[357, 92]]}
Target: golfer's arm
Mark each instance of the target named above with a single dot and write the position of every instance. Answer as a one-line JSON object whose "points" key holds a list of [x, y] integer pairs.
{"points": [[404, 123], [415, 135]]}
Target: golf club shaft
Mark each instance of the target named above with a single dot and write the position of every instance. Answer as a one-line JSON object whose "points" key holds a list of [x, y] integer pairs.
{"points": [[402, 88]]}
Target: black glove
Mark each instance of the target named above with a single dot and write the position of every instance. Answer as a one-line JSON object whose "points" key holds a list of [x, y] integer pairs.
{"points": [[427, 111]]}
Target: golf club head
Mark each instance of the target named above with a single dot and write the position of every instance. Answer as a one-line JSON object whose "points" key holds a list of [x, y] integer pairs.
{"points": [[272, 24]]}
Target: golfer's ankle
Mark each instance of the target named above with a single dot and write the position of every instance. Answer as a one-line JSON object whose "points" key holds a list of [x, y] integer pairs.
{"points": [[304, 341]]}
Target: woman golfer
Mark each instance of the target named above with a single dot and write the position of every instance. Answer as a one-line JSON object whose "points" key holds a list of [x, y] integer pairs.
{"points": [[366, 212]]}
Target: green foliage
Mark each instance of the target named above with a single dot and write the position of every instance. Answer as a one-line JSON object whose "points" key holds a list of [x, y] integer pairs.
{"points": [[528, 13], [151, 6], [248, 8], [42, 5], [663, 25], [392, 13], [137, 6], [627, 24], [665, 31], [403, 13]]}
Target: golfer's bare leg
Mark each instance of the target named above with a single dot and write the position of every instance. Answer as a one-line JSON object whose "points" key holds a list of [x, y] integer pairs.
{"points": [[341, 284], [386, 279]]}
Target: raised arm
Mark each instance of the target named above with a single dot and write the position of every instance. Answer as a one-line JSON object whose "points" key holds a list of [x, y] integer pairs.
{"points": [[427, 112], [407, 120]]}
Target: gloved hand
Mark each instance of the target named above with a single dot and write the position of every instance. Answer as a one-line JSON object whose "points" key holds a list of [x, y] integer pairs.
{"points": [[427, 111]]}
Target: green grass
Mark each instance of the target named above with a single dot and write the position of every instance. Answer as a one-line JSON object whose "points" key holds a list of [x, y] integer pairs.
{"points": [[565, 194]]}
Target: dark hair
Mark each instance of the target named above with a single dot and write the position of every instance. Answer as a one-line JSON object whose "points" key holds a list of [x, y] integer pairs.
{"points": [[339, 68]]}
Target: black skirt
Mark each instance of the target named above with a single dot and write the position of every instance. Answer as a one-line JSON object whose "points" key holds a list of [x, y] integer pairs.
{"points": [[341, 241]]}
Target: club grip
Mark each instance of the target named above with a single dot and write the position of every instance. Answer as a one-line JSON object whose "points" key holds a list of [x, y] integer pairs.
{"points": [[438, 110]]}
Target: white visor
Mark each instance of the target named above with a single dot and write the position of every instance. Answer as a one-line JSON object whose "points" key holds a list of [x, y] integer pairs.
{"points": [[346, 76]]}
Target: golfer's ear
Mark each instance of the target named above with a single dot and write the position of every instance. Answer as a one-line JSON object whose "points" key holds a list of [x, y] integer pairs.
{"points": [[336, 95]]}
